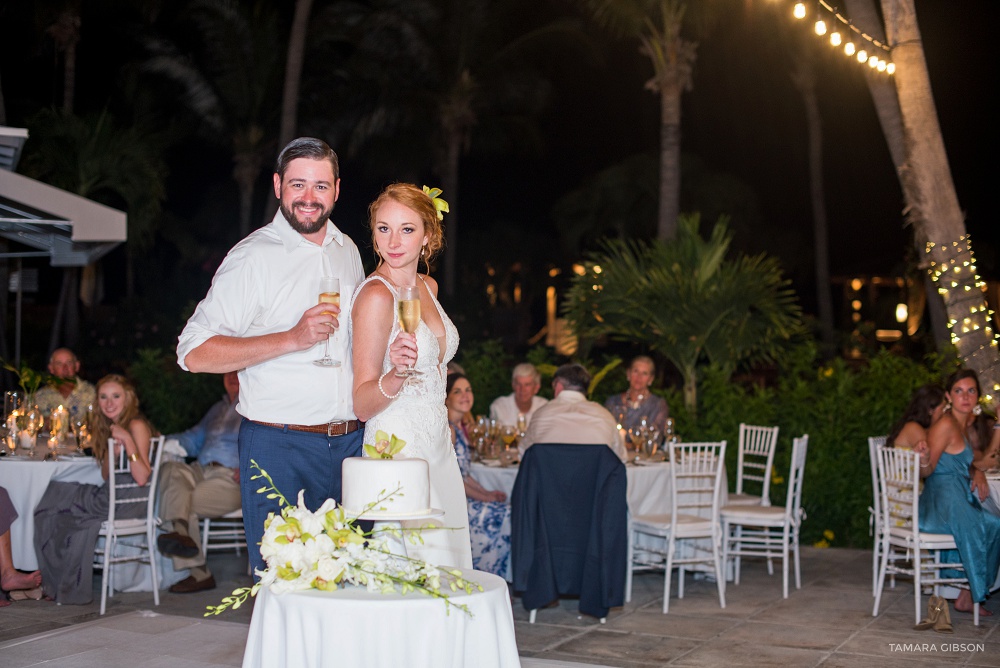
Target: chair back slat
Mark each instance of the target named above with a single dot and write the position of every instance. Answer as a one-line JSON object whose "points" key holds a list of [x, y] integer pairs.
{"points": [[899, 487], [120, 479], [793, 499], [755, 459], [696, 472]]}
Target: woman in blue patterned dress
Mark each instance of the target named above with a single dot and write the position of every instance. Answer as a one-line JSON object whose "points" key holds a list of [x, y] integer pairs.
{"points": [[489, 513], [950, 503]]}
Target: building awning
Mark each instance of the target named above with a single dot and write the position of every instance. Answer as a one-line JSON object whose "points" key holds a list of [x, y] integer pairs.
{"points": [[69, 229]]}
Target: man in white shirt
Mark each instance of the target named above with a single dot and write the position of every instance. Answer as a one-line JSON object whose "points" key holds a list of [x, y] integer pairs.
{"points": [[525, 381], [262, 316], [75, 395], [571, 418]]}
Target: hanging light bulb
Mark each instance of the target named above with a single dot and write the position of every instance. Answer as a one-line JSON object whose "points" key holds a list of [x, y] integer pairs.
{"points": [[849, 48], [881, 66], [799, 11], [873, 62], [835, 39], [862, 56], [820, 27], [890, 68]]}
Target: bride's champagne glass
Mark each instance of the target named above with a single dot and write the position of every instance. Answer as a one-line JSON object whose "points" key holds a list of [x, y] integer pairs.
{"points": [[329, 293], [409, 318]]}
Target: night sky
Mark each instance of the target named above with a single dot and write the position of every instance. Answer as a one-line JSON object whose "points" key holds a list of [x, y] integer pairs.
{"points": [[743, 118]]}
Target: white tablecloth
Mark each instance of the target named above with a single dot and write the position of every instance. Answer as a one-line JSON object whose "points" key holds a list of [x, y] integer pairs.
{"points": [[352, 627], [648, 485], [26, 481]]}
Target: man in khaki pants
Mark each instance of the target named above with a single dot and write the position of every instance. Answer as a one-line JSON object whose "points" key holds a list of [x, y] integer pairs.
{"points": [[208, 487]]}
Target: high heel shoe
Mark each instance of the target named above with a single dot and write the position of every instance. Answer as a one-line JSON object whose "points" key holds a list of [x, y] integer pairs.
{"points": [[935, 605], [26, 594]]}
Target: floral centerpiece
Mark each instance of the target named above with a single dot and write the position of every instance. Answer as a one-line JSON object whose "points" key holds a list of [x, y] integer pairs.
{"points": [[326, 549]]}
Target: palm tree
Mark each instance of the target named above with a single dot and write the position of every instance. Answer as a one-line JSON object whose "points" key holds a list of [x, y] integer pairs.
{"points": [[229, 79], [910, 124], [686, 300], [658, 26], [96, 158], [431, 76]]}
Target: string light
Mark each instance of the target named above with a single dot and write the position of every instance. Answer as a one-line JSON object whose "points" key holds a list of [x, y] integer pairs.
{"points": [[952, 266], [865, 54]]}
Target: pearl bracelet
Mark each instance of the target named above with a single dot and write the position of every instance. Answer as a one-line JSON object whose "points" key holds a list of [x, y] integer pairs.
{"points": [[380, 389]]}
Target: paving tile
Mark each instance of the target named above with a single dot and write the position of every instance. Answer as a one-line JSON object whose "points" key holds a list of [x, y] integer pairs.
{"points": [[787, 635], [746, 654], [654, 622], [618, 646]]}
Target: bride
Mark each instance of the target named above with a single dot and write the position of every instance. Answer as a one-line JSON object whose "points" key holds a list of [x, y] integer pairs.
{"points": [[406, 228]]}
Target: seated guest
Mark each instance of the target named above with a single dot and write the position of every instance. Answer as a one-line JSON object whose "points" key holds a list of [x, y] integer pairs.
{"points": [[946, 504], [570, 417], [13, 583], [209, 487], [75, 394], [489, 514], [638, 403], [69, 515], [524, 401], [925, 408]]}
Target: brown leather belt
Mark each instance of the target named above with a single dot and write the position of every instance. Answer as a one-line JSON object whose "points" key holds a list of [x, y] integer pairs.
{"points": [[332, 428]]}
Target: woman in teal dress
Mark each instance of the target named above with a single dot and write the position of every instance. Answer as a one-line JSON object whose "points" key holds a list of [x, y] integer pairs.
{"points": [[950, 503]]}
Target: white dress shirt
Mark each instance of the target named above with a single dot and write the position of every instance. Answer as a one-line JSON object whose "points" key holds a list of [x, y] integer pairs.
{"points": [[571, 418], [504, 409], [263, 286]]}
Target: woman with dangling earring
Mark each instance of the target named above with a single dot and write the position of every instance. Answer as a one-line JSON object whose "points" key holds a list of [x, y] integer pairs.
{"points": [[949, 502], [402, 344], [638, 402]]}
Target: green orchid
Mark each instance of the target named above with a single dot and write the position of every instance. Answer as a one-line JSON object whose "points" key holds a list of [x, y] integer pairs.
{"points": [[385, 446], [440, 205]]}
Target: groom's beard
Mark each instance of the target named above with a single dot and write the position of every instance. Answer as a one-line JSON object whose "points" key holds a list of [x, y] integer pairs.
{"points": [[305, 226]]}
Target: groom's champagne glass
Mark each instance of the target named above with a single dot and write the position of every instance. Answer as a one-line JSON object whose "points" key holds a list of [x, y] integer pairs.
{"points": [[329, 293], [409, 318]]}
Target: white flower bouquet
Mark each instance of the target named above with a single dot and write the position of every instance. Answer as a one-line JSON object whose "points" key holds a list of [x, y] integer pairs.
{"points": [[325, 549]]}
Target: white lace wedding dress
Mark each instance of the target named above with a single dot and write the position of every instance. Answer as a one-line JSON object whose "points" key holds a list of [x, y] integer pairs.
{"points": [[419, 417]]}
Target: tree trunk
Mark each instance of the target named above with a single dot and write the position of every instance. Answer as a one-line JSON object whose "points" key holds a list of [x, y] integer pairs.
{"points": [[883, 91], [670, 160], [293, 81], [449, 186], [246, 168], [804, 77], [293, 71], [932, 204]]}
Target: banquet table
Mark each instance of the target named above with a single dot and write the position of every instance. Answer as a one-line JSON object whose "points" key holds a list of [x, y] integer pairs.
{"points": [[26, 478], [648, 491], [354, 627]]}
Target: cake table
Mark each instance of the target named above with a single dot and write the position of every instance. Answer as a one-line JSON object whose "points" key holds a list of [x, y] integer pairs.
{"points": [[352, 627]]}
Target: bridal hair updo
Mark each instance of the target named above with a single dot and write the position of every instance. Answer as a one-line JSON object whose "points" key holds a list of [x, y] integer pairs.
{"points": [[418, 201]]}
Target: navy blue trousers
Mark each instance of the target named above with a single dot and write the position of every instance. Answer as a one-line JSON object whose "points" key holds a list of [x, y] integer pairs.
{"points": [[295, 460]]}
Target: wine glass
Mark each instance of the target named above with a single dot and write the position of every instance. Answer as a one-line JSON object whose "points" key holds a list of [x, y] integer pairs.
{"points": [[329, 293], [81, 427], [409, 319], [508, 435], [522, 424]]}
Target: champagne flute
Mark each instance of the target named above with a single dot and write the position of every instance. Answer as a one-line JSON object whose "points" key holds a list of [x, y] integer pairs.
{"points": [[409, 319], [329, 293]]}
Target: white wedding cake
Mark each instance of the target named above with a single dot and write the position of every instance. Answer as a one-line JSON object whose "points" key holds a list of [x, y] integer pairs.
{"points": [[365, 480]]}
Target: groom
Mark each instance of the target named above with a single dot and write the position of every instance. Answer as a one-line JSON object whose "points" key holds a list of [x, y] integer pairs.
{"points": [[262, 316]]}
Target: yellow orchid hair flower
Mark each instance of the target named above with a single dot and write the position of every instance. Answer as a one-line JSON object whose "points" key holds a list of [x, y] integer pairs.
{"points": [[440, 205]]}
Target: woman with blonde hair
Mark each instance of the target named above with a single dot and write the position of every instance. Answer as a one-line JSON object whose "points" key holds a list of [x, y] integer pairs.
{"points": [[69, 516]]}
